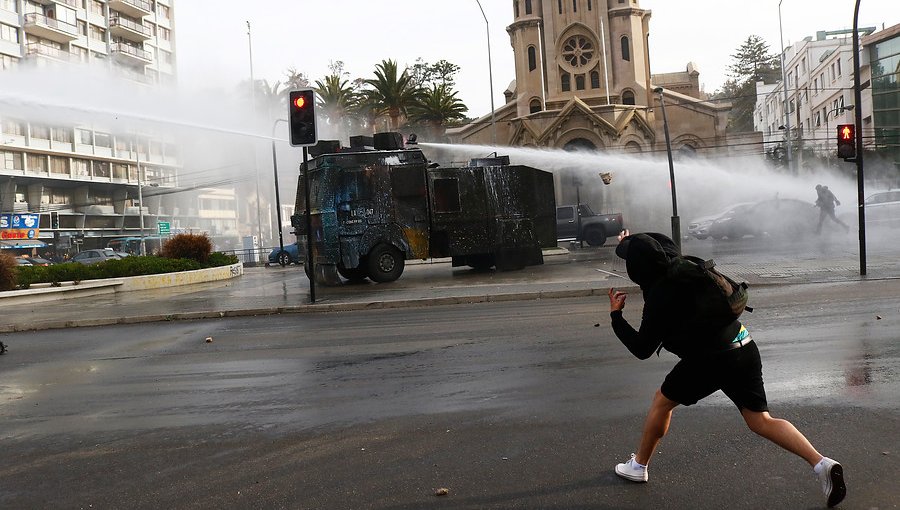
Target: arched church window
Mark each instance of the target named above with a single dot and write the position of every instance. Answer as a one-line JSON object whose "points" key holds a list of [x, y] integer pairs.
{"points": [[579, 81], [527, 6], [565, 82], [559, 3], [589, 5], [532, 58], [534, 106], [578, 51], [595, 80], [574, 5], [627, 97], [626, 49], [516, 8], [633, 148]]}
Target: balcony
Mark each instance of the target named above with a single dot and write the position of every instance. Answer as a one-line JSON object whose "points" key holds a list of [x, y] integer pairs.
{"points": [[71, 3], [129, 54], [128, 29], [50, 28], [133, 8], [33, 50]]}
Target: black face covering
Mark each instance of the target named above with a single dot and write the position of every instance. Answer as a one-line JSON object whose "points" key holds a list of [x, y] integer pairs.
{"points": [[647, 257]]}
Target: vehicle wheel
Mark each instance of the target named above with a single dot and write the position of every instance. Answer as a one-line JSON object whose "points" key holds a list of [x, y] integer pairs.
{"points": [[354, 274], [384, 263], [284, 258], [595, 236]]}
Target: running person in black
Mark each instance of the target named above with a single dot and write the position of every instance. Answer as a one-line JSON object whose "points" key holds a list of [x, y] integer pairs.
{"points": [[826, 202], [713, 357]]}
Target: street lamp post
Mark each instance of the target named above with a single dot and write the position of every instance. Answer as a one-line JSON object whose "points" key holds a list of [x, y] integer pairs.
{"points": [[676, 222], [849, 107], [140, 197], [281, 258], [253, 110], [490, 73], [787, 114]]}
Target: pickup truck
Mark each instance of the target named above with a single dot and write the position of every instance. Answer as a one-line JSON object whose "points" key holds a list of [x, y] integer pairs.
{"points": [[586, 226]]}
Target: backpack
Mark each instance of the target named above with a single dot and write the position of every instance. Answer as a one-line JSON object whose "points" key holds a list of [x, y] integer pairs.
{"points": [[714, 299], [726, 298]]}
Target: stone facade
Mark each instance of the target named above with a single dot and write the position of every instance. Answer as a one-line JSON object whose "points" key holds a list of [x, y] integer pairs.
{"points": [[583, 81]]}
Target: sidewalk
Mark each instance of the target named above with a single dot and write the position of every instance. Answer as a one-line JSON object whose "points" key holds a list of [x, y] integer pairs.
{"points": [[272, 290]]}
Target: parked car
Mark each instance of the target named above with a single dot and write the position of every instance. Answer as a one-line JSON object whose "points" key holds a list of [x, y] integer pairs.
{"points": [[38, 261], [95, 256], [23, 261], [699, 227], [778, 217], [291, 255], [883, 209], [594, 228]]}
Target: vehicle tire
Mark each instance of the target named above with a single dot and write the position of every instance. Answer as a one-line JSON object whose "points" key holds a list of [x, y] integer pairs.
{"points": [[284, 258], [353, 274], [595, 236], [384, 263]]}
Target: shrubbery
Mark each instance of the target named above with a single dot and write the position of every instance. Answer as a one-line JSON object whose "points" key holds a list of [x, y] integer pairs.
{"points": [[187, 246], [128, 266], [8, 272]]}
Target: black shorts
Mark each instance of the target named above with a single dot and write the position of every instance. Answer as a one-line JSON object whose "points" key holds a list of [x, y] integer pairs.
{"points": [[738, 373]]}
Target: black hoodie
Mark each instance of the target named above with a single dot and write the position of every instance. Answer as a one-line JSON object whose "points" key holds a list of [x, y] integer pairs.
{"points": [[671, 315]]}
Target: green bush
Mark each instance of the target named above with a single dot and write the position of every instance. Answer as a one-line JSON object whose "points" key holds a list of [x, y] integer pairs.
{"points": [[219, 259], [187, 246], [25, 276], [8, 271]]}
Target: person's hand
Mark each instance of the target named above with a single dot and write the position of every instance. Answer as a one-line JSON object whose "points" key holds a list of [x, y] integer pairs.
{"points": [[623, 234], [616, 300]]}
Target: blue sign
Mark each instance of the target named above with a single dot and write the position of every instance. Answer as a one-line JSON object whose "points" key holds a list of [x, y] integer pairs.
{"points": [[24, 221]]}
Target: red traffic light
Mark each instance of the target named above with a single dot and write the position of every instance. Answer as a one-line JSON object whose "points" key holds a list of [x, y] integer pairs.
{"points": [[300, 101], [846, 141], [846, 132]]}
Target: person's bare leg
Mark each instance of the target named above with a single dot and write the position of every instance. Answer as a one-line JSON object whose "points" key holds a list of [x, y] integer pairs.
{"points": [[782, 433], [655, 426]]}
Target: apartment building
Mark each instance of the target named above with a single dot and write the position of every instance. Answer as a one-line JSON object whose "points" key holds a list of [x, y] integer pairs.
{"points": [[90, 183], [819, 78]]}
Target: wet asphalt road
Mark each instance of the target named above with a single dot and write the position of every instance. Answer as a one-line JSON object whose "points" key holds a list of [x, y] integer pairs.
{"points": [[508, 405]]}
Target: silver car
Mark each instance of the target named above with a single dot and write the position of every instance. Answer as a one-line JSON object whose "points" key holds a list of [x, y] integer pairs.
{"points": [[95, 256]]}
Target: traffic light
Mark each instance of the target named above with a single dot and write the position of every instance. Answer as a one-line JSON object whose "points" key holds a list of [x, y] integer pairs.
{"points": [[846, 141], [302, 115], [54, 220]]}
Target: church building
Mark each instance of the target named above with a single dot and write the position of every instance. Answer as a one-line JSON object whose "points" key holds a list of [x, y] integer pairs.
{"points": [[583, 81]]}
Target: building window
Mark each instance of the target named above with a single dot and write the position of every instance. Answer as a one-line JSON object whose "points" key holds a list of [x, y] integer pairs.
{"points": [[534, 106], [578, 51], [162, 10], [838, 62], [96, 7], [532, 58], [574, 5], [9, 33], [559, 3], [565, 82], [579, 82], [13, 127], [98, 33], [84, 136], [626, 49], [595, 80], [101, 169], [815, 85], [12, 160], [8, 62], [37, 163], [59, 165], [80, 168], [627, 97], [527, 6], [516, 8], [38, 131], [832, 71], [103, 140], [589, 5], [62, 135], [9, 5]]}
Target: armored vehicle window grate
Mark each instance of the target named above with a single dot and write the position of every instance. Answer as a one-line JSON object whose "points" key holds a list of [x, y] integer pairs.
{"points": [[408, 181], [446, 195]]}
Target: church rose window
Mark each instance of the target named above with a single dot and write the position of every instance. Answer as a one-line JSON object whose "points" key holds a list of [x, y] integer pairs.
{"points": [[578, 51]]}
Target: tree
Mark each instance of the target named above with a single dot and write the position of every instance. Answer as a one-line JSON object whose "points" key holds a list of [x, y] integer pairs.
{"points": [[295, 79], [752, 63], [336, 98], [392, 92], [437, 106]]}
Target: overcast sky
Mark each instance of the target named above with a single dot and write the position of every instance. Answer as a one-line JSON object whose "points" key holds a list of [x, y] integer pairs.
{"points": [[213, 48]]}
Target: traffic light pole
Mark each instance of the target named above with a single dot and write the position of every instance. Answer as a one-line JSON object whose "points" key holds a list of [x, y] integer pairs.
{"points": [[309, 247], [860, 181], [278, 196]]}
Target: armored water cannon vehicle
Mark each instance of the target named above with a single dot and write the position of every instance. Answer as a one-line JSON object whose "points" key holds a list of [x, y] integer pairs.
{"points": [[379, 203]]}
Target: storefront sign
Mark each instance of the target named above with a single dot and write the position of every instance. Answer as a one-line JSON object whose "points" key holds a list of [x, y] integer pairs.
{"points": [[19, 226]]}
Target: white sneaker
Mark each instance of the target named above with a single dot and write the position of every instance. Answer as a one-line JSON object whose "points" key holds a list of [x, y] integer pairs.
{"points": [[630, 470], [832, 480]]}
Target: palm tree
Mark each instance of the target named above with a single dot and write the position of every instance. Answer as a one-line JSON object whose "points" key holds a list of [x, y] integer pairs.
{"points": [[336, 98], [392, 92], [437, 106]]}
